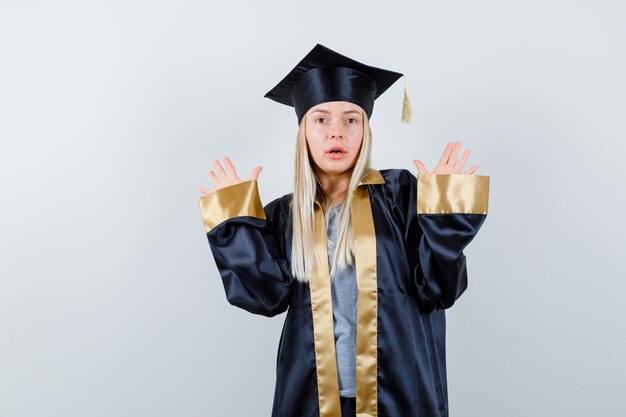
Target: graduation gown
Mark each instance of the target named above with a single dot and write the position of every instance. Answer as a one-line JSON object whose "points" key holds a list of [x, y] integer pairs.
{"points": [[409, 237]]}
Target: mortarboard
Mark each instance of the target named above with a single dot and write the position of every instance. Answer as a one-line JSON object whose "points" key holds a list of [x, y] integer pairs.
{"points": [[325, 75]]}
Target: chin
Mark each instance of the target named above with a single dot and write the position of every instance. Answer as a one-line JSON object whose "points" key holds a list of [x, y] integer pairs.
{"points": [[336, 169], [331, 167]]}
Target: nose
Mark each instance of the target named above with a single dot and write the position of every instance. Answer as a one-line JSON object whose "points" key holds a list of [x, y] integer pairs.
{"points": [[336, 130]]}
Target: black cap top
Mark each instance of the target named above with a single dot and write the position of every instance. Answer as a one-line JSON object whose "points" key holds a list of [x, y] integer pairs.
{"points": [[324, 75]]}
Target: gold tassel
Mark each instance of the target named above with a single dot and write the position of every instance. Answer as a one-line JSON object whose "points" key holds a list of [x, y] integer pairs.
{"points": [[406, 106]]}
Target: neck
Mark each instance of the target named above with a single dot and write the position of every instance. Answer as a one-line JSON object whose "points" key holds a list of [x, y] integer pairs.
{"points": [[335, 186]]}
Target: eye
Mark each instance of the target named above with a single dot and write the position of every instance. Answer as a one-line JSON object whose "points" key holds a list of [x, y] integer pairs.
{"points": [[352, 120], [317, 120]]}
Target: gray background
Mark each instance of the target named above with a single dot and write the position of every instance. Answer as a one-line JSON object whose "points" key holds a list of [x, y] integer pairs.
{"points": [[110, 116]]}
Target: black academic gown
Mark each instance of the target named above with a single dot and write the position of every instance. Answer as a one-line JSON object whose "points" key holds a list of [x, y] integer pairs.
{"points": [[409, 236]]}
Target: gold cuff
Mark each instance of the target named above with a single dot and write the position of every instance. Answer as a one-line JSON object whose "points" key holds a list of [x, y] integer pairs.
{"points": [[452, 193], [233, 201]]}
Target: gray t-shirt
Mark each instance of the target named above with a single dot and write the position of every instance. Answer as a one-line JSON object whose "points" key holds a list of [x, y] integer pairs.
{"points": [[344, 298]]}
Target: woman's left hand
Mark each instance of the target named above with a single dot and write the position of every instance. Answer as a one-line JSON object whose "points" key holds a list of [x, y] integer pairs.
{"points": [[448, 163]]}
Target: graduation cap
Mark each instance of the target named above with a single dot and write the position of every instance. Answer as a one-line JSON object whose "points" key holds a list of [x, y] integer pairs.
{"points": [[324, 75]]}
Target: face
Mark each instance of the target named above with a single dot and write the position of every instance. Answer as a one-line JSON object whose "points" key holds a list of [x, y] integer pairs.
{"points": [[334, 133]]}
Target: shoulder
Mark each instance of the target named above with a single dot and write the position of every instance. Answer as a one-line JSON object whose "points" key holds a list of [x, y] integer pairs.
{"points": [[277, 211], [396, 174], [398, 179], [399, 192]]}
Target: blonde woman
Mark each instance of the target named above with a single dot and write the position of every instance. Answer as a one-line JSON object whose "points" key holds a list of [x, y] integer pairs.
{"points": [[364, 261]]}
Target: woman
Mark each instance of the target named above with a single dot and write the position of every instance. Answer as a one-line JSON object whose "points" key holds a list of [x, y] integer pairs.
{"points": [[364, 261]]}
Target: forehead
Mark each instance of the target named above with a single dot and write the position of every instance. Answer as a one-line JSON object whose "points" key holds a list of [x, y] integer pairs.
{"points": [[336, 107]]}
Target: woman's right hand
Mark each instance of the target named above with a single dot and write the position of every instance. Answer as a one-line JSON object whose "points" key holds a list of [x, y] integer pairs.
{"points": [[227, 178]]}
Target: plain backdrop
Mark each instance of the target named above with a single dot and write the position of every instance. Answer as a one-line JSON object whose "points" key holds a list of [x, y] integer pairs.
{"points": [[112, 112]]}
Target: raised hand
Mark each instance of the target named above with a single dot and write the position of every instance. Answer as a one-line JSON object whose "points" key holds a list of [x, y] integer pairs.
{"points": [[226, 178], [448, 163]]}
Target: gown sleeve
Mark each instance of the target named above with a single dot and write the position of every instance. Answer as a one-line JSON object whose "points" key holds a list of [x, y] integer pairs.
{"points": [[443, 213], [246, 247]]}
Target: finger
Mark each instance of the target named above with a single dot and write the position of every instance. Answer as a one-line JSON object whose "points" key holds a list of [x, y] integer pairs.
{"points": [[230, 168], [219, 169], [255, 173], [454, 152], [471, 170], [421, 168], [446, 154], [459, 165], [204, 190], [214, 178]]}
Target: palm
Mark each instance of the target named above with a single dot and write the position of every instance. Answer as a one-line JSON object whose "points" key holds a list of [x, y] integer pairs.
{"points": [[448, 163], [227, 177]]}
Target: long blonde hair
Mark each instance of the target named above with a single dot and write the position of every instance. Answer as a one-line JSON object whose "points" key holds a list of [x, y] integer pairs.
{"points": [[306, 187]]}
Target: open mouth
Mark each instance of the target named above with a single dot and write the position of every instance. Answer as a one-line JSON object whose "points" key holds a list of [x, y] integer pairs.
{"points": [[336, 150], [336, 153]]}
